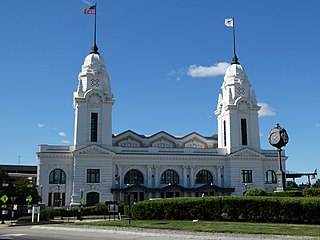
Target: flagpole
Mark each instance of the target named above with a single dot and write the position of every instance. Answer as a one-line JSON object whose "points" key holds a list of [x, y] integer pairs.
{"points": [[235, 58], [95, 48]]}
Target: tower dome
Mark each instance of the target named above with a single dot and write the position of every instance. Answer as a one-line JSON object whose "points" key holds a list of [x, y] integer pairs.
{"points": [[235, 72]]}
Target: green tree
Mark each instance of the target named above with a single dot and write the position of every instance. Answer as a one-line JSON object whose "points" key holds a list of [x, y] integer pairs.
{"points": [[316, 184], [291, 185], [23, 189]]}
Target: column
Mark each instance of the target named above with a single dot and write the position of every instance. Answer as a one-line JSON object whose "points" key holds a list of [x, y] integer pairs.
{"points": [[192, 177], [219, 176], [185, 176], [156, 176], [149, 176], [120, 176]]}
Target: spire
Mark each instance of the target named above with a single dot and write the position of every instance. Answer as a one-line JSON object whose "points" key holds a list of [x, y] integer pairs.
{"points": [[229, 22], [93, 10]]}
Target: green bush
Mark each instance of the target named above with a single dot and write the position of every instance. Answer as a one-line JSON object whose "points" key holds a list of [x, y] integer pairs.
{"points": [[257, 192], [311, 192], [291, 193], [25, 219], [50, 213], [256, 209]]}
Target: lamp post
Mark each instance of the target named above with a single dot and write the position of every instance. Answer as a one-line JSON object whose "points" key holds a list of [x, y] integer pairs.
{"points": [[279, 138], [129, 198], [59, 195]]}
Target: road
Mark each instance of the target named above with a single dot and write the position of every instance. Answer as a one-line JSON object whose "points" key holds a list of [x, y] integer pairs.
{"points": [[50, 232]]}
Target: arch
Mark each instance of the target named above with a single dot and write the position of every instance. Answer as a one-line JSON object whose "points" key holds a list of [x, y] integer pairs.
{"points": [[169, 177], [133, 176], [204, 177], [271, 176], [92, 198], [57, 176]]}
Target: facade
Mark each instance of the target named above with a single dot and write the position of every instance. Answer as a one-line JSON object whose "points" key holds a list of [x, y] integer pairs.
{"points": [[100, 166]]}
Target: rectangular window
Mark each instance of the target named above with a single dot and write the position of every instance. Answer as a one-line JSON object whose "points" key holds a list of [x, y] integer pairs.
{"points": [[244, 136], [224, 133], [93, 175], [94, 127], [246, 176]]}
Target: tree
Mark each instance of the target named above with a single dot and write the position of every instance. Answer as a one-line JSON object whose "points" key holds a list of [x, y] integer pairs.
{"points": [[23, 189], [316, 184]]}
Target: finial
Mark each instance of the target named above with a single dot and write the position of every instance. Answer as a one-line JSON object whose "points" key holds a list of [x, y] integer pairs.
{"points": [[95, 49], [235, 60]]}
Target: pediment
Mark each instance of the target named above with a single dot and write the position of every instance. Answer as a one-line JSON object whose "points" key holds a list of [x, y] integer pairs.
{"points": [[93, 150], [247, 153]]}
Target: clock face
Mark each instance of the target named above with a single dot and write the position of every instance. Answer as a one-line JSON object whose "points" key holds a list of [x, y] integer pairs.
{"points": [[241, 91], [94, 82], [274, 137]]}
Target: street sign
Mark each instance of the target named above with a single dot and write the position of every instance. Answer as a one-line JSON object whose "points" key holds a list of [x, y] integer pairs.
{"points": [[15, 207], [3, 206], [13, 199], [4, 198], [29, 199]]}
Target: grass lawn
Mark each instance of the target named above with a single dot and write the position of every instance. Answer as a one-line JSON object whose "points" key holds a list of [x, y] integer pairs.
{"points": [[217, 227]]}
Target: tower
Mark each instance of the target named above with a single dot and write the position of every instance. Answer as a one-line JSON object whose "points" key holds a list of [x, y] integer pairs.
{"points": [[93, 102], [237, 112]]}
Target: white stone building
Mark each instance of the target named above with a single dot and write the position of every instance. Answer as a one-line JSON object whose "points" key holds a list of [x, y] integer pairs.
{"points": [[101, 166]]}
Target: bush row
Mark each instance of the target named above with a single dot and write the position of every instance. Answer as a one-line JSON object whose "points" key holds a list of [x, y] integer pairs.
{"points": [[308, 192], [257, 209], [50, 213]]}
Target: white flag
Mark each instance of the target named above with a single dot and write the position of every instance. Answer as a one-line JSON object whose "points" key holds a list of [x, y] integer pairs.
{"points": [[228, 22]]}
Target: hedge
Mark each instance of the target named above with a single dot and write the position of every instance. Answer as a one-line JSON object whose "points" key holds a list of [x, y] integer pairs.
{"points": [[50, 213], [311, 192], [254, 209]]}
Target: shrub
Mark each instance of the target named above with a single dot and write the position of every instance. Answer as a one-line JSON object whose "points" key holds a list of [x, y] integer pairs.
{"points": [[291, 193], [311, 192], [250, 208], [257, 192]]}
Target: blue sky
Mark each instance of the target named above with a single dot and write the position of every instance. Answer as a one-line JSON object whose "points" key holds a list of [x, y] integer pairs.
{"points": [[150, 49]]}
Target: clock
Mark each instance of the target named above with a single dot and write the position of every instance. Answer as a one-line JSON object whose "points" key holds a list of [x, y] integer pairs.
{"points": [[241, 91], [274, 137], [278, 137]]}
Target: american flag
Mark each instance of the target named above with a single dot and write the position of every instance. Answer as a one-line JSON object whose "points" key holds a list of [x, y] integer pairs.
{"points": [[90, 10]]}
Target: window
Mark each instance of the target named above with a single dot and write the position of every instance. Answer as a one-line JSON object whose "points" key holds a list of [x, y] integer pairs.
{"points": [[94, 127], [57, 176], [204, 177], [246, 176], [93, 175], [169, 177], [133, 177], [244, 137], [271, 177], [224, 134]]}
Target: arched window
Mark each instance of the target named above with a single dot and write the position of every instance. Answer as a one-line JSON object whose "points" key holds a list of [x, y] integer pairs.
{"points": [[169, 177], [57, 176], [133, 177], [271, 177], [204, 177], [92, 198]]}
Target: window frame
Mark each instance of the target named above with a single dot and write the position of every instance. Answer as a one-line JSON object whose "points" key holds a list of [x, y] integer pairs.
{"points": [[93, 175], [273, 175], [169, 177], [133, 176], [57, 176], [204, 177], [247, 176]]}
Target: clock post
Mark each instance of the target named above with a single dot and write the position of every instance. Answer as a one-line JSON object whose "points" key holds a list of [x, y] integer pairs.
{"points": [[278, 138]]}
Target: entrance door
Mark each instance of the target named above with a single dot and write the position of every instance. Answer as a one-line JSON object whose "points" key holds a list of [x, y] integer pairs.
{"points": [[92, 198]]}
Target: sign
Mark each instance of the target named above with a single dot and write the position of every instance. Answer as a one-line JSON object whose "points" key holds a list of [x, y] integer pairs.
{"points": [[36, 210], [3, 206], [4, 198], [112, 208], [15, 207], [29, 199], [13, 199]]}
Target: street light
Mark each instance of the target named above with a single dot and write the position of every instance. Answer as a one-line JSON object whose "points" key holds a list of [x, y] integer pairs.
{"points": [[129, 199], [59, 195]]}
